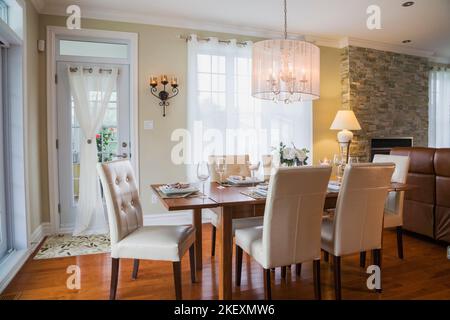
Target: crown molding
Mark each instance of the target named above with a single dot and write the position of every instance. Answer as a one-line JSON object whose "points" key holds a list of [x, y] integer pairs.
{"points": [[349, 41], [39, 5], [92, 12], [183, 23]]}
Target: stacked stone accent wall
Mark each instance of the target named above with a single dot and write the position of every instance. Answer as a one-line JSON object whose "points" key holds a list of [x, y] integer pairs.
{"points": [[388, 93]]}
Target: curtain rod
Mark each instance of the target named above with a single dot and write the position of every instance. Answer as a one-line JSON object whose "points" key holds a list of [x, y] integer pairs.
{"points": [[440, 68], [187, 38], [90, 70]]}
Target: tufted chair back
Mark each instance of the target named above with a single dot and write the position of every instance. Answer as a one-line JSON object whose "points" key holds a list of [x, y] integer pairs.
{"points": [[358, 221], [122, 198], [293, 215]]}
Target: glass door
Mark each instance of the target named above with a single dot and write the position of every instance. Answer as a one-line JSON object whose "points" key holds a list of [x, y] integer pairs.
{"points": [[3, 226], [113, 138]]}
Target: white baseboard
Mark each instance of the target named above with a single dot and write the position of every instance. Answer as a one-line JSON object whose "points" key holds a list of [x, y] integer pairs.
{"points": [[14, 262], [40, 232]]}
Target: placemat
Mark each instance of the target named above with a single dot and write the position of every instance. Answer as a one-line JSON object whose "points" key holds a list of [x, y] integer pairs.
{"points": [[253, 195]]}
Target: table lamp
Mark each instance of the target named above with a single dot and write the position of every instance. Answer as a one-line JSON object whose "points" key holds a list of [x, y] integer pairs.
{"points": [[345, 121]]}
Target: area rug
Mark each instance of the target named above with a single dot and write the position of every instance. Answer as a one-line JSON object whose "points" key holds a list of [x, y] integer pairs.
{"points": [[65, 245]]}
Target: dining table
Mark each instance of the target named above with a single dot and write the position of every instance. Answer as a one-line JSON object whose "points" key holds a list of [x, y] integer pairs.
{"points": [[230, 202]]}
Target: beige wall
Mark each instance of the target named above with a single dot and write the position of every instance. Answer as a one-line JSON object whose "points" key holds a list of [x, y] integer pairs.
{"points": [[35, 131], [160, 51], [325, 108]]}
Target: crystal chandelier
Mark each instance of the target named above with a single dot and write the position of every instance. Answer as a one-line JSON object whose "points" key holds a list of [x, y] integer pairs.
{"points": [[286, 70]]}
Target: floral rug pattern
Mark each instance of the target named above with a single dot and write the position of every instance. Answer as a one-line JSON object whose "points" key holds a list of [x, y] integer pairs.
{"points": [[66, 245]]}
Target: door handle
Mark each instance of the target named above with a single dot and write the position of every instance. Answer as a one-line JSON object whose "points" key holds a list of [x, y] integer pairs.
{"points": [[121, 156]]}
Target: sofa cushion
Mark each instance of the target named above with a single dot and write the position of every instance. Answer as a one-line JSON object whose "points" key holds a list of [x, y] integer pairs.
{"points": [[419, 217], [421, 159]]}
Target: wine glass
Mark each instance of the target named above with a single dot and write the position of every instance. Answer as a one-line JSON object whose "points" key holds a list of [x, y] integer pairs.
{"points": [[221, 167], [254, 168], [203, 175], [339, 162], [353, 160]]}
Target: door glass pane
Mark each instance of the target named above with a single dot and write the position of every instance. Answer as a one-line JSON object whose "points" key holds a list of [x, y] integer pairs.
{"points": [[106, 139], [93, 49], [4, 11], [3, 227]]}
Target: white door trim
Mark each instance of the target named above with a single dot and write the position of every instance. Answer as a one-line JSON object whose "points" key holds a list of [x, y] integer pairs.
{"points": [[52, 33]]}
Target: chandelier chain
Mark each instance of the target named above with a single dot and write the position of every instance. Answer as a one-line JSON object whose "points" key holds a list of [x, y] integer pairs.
{"points": [[285, 19]]}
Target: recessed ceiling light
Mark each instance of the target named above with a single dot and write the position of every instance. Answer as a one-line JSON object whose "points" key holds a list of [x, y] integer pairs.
{"points": [[408, 4], [406, 41]]}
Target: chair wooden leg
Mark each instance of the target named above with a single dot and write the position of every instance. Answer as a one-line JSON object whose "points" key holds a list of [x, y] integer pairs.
{"points": [[317, 288], [400, 242], [283, 272], [192, 262], [177, 279], [377, 261], [326, 256], [213, 241], [267, 288], [239, 252], [337, 277], [362, 259], [114, 278], [135, 269], [298, 269]]}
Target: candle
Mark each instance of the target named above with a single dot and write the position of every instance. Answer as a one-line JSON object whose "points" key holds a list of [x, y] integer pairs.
{"points": [[153, 81], [325, 162], [174, 81], [164, 78]]}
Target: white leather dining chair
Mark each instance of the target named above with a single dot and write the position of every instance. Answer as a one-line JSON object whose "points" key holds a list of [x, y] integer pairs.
{"points": [[357, 224], [235, 165], [129, 238], [393, 210], [292, 221]]}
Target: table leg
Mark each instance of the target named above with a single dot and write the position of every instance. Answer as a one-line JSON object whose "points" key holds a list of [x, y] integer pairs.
{"points": [[225, 237], [197, 222]]}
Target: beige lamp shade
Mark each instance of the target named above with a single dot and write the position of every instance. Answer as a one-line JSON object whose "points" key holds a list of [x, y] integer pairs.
{"points": [[345, 120]]}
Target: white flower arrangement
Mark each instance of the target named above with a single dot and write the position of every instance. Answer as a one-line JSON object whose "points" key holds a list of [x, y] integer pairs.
{"points": [[292, 156]]}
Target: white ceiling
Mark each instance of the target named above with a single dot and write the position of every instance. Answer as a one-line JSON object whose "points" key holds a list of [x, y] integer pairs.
{"points": [[427, 23]]}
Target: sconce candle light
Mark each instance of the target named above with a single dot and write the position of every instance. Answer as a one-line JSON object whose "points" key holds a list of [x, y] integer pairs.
{"points": [[164, 95]]}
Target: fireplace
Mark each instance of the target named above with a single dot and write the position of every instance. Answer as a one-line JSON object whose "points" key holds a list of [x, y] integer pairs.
{"points": [[385, 145]]}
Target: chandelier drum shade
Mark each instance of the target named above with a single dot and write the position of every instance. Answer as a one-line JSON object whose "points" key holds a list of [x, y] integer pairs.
{"points": [[286, 70]]}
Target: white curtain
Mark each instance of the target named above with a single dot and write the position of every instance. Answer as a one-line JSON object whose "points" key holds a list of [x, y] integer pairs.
{"points": [[91, 90], [224, 118], [439, 110]]}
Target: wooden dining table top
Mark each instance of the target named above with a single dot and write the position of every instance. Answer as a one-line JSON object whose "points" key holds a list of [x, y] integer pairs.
{"points": [[232, 196]]}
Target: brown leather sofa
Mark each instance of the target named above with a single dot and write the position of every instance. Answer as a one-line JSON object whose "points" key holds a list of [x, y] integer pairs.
{"points": [[427, 207]]}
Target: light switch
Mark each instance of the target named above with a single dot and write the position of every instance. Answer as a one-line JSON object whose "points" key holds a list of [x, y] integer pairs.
{"points": [[148, 125]]}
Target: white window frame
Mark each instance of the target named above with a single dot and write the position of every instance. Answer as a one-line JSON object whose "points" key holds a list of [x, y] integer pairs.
{"points": [[53, 33], [14, 35]]}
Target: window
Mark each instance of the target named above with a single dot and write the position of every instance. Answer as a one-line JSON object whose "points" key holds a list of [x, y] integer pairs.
{"points": [[93, 49], [4, 11], [4, 241], [223, 117], [439, 109]]}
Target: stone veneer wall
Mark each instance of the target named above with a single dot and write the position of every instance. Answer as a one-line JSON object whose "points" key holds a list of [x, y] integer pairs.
{"points": [[388, 93]]}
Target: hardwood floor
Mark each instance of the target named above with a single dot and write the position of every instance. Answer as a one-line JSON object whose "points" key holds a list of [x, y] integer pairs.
{"points": [[423, 274]]}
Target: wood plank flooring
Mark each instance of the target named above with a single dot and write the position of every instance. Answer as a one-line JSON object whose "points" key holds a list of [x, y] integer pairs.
{"points": [[423, 274]]}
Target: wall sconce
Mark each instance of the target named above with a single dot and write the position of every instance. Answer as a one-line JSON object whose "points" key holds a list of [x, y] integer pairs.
{"points": [[163, 95]]}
